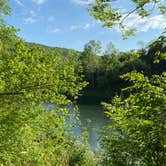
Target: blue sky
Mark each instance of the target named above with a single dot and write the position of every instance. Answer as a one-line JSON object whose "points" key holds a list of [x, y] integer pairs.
{"points": [[66, 23]]}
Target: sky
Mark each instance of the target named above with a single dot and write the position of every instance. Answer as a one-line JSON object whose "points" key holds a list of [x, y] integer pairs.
{"points": [[66, 23]]}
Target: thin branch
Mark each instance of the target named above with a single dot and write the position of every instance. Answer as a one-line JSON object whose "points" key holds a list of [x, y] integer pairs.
{"points": [[11, 93], [38, 86], [134, 10], [26, 88], [153, 7], [131, 12]]}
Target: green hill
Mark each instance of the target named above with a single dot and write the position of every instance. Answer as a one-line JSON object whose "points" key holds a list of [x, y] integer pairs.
{"points": [[62, 51]]}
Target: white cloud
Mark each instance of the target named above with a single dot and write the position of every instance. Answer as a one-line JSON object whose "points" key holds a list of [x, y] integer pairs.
{"points": [[82, 27], [30, 17], [32, 13], [39, 2], [19, 3], [82, 2], [56, 30], [145, 24], [88, 26], [29, 20]]}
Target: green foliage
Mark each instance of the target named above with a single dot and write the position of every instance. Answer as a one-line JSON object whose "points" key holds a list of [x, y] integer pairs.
{"points": [[102, 11], [30, 77], [106, 12], [4, 10], [111, 50], [82, 156], [137, 133], [62, 51], [90, 60], [103, 72]]}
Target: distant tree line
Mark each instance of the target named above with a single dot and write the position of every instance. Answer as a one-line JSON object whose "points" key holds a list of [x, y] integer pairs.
{"points": [[103, 70]]}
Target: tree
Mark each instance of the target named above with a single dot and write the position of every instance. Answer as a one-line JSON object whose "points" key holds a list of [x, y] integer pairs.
{"points": [[110, 15], [110, 49], [137, 135], [4, 9], [29, 78], [90, 60], [93, 47]]}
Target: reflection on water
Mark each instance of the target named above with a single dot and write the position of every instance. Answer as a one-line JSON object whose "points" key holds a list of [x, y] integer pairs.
{"points": [[98, 119], [90, 117]]}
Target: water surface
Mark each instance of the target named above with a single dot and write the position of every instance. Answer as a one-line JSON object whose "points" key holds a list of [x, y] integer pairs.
{"points": [[96, 118], [89, 117]]}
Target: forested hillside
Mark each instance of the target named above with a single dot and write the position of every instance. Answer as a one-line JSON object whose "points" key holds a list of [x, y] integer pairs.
{"points": [[62, 51]]}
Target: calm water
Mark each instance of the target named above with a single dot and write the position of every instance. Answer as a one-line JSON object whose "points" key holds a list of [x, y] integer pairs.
{"points": [[91, 117], [97, 118]]}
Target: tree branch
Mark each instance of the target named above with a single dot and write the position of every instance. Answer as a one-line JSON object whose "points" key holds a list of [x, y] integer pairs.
{"points": [[26, 88], [11, 93], [132, 11]]}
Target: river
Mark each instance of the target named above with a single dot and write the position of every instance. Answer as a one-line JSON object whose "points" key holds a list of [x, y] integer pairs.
{"points": [[90, 117], [93, 118]]}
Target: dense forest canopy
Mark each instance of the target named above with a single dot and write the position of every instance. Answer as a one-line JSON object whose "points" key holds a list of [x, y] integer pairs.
{"points": [[103, 72]]}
